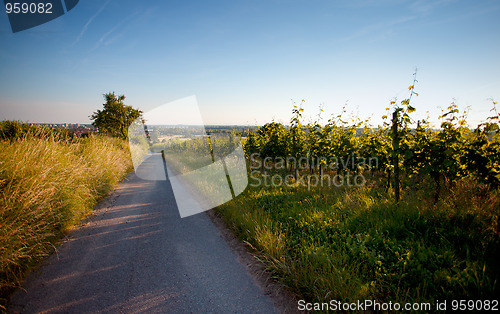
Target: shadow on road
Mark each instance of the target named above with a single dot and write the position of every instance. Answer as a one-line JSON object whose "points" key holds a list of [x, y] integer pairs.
{"points": [[138, 255]]}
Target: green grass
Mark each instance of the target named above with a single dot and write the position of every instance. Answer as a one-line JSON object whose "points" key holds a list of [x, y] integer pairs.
{"points": [[185, 162], [352, 244], [48, 183]]}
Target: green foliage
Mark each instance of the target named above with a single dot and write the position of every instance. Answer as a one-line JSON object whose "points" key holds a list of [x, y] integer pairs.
{"points": [[421, 154], [296, 134], [481, 156], [115, 117], [14, 130], [251, 145], [375, 143], [273, 140]]}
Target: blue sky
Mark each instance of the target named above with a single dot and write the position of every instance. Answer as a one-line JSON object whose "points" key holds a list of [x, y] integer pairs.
{"points": [[247, 60]]}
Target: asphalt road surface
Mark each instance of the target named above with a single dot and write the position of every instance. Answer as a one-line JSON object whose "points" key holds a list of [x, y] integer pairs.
{"points": [[138, 255]]}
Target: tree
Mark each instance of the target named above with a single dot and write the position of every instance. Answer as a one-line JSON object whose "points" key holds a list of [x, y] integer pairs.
{"points": [[116, 117]]}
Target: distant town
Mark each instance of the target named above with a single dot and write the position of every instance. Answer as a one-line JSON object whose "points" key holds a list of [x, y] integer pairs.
{"points": [[78, 128], [69, 126]]}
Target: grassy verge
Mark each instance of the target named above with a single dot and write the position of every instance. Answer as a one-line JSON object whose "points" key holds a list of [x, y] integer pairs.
{"points": [[48, 183], [350, 244]]}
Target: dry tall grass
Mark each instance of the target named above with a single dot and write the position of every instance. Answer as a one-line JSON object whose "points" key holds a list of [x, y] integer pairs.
{"points": [[47, 186]]}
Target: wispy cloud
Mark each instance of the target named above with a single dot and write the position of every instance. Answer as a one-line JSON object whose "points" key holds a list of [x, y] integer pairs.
{"points": [[105, 36], [466, 15], [363, 4], [427, 6], [378, 30], [84, 29]]}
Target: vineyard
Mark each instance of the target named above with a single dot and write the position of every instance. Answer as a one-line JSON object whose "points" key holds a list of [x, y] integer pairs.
{"points": [[408, 157], [420, 224]]}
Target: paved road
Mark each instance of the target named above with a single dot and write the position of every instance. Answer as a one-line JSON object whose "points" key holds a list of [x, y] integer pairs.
{"points": [[138, 255]]}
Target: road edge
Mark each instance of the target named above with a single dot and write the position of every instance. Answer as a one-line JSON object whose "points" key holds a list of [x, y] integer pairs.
{"points": [[282, 298]]}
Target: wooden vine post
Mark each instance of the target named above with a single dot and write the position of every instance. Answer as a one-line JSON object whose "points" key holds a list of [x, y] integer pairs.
{"points": [[395, 152]]}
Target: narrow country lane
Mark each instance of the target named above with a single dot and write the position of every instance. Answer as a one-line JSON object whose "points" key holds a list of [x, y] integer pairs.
{"points": [[138, 255]]}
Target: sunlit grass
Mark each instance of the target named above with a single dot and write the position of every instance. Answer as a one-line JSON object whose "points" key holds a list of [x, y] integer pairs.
{"points": [[47, 186], [352, 244]]}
